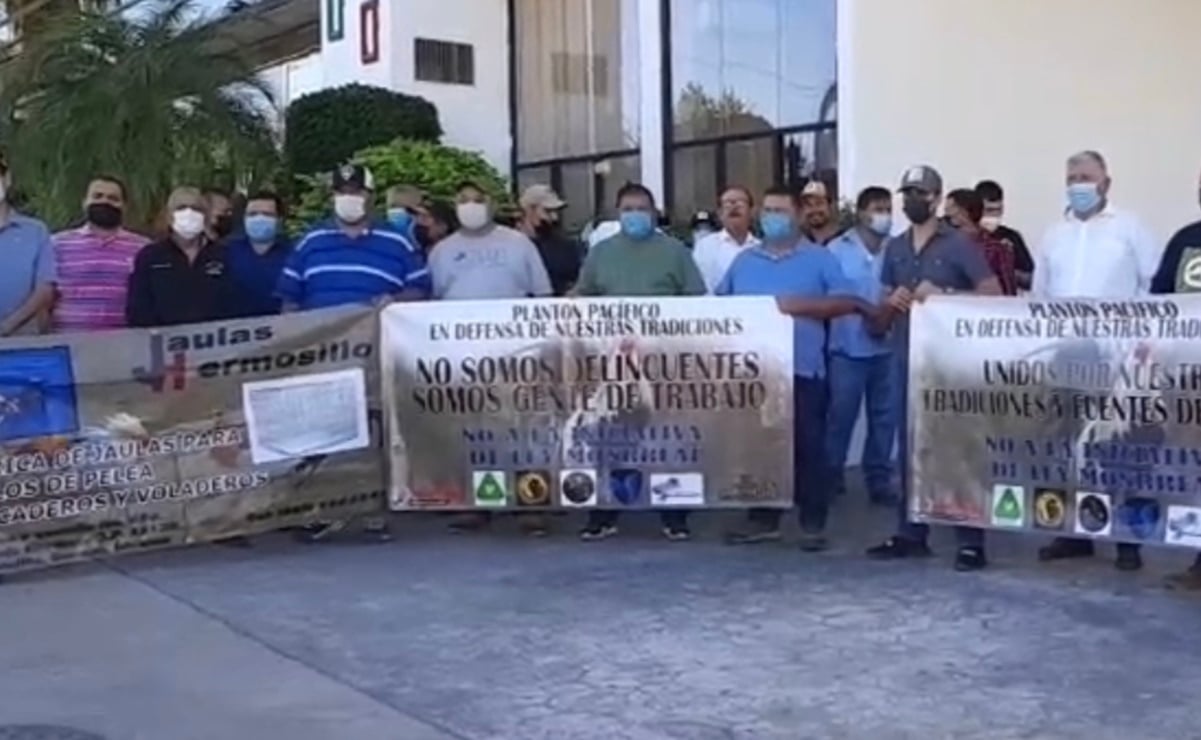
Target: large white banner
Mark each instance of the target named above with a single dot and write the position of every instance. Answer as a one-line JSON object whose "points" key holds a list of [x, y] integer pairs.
{"points": [[588, 403], [1075, 418]]}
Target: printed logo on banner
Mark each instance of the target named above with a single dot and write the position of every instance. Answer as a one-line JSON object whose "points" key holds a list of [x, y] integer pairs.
{"points": [[1188, 274], [436, 495], [749, 488], [1184, 526], [677, 489], [1008, 506], [625, 486], [173, 357], [577, 488], [1094, 514], [1050, 509], [37, 393], [490, 487], [1140, 517], [533, 488]]}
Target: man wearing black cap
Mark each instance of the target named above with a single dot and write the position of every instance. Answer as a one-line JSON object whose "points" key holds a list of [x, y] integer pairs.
{"points": [[930, 257], [349, 261]]}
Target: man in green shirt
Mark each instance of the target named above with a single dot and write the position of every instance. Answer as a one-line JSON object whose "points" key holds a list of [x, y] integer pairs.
{"points": [[639, 260]]}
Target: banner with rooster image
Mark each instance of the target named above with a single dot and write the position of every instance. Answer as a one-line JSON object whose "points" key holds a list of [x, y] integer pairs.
{"points": [[1071, 418], [131, 440], [588, 403]]}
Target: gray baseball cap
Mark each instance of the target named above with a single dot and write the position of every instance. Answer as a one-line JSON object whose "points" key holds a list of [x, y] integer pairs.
{"points": [[921, 177]]}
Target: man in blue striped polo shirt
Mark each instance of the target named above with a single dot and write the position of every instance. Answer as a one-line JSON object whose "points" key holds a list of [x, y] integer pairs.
{"points": [[809, 285], [352, 261]]}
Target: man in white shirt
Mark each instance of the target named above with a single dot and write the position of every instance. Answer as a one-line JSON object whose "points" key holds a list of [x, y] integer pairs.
{"points": [[1093, 251], [715, 253]]}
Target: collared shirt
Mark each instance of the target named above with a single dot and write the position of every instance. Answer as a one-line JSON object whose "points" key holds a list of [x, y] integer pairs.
{"points": [[716, 252], [657, 265], [861, 267], [1022, 260], [166, 289], [93, 278], [804, 271], [949, 261], [1111, 255], [331, 268], [1001, 259], [498, 263], [26, 262], [1180, 268], [255, 275], [562, 257]]}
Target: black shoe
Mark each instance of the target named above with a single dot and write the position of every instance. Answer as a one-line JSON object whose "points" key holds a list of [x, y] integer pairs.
{"points": [[1129, 558], [677, 533], [899, 548], [753, 534], [319, 531], [596, 532], [534, 526], [813, 542], [377, 532], [1064, 548], [970, 558]]}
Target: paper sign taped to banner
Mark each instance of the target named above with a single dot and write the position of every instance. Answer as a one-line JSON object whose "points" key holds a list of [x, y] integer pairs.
{"points": [[1073, 418], [304, 415], [589, 403]]}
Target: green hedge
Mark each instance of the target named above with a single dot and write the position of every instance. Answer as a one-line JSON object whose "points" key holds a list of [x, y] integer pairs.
{"points": [[325, 129], [436, 169]]}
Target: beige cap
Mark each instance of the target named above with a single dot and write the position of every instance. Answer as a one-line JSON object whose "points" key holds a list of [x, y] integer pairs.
{"points": [[541, 195]]}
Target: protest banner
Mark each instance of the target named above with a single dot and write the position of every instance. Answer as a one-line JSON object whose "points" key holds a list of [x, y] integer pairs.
{"points": [[588, 403], [1071, 418], [137, 439]]}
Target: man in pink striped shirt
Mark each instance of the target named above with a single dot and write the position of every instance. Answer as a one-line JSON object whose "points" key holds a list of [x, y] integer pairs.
{"points": [[94, 262]]}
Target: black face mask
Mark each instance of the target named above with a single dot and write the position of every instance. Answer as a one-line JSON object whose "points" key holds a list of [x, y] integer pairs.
{"points": [[917, 210], [422, 232], [103, 215], [223, 225], [547, 228]]}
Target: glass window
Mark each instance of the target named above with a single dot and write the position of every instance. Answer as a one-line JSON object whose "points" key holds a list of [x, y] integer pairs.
{"points": [[695, 171], [740, 66], [753, 165], [577, 77]]}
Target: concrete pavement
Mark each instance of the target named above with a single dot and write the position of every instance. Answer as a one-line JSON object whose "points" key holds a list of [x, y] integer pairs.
{"points": [[494, 636]]}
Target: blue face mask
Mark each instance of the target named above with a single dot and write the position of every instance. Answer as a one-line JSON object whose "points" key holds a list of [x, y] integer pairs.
{"points": [[776, 227], [400, 218], [262, 229], [881, 223], [637, 224], [1083, 196]]}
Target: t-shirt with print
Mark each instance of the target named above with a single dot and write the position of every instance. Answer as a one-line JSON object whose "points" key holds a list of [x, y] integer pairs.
{"points": [[498, 263], [1180, 267], [657, 265]]}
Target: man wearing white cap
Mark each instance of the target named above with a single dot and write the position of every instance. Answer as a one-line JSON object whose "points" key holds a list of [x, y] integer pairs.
{"points": [[818, 217], [541, 221]]}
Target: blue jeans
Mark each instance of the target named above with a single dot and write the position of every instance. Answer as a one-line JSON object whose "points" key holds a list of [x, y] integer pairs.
{"points": [[854, 382], [914, 531], [810, 469]]}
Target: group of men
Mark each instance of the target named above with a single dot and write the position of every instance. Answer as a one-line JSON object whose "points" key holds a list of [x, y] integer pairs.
{"points": [[849, 290]]}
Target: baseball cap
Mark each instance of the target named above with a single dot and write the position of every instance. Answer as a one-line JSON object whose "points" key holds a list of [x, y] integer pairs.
{"points": [[816, 189], [353, 176], [541, 195], [921, 177]]}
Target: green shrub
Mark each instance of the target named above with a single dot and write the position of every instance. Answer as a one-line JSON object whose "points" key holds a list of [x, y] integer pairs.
{"points": [[324, 129], [436, 169]]}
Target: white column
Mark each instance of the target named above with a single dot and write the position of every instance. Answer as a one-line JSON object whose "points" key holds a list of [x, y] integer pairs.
{"points": [[650, 94], [849, 177]]}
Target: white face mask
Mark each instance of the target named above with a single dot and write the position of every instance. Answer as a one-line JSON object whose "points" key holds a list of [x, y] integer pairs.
{"points": [[187, 223], [3, 190], [473, 216], [990, 223], [350, 209]]}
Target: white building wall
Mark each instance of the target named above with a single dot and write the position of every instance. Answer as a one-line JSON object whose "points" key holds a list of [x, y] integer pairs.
{"points": [[1007, 89]]}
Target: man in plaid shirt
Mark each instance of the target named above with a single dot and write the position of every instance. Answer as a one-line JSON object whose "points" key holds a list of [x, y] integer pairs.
{"points": [[964, 209]]}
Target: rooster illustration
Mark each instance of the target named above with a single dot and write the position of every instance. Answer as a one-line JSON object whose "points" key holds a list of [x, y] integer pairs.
{"points": [[584, 430]]}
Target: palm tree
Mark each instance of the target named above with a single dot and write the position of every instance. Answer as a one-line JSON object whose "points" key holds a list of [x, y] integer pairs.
{"points": [[157, 100]]}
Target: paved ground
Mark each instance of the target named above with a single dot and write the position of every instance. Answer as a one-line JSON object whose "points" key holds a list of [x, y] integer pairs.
{"points": [[436, 637]]}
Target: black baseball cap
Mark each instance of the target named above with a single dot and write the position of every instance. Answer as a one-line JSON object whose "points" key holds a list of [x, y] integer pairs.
{"points": [[704, 219], [353, 176]]}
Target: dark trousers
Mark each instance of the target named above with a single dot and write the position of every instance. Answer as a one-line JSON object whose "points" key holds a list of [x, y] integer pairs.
{"points": [[608, 518], [914, 531], [810, 466]]}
